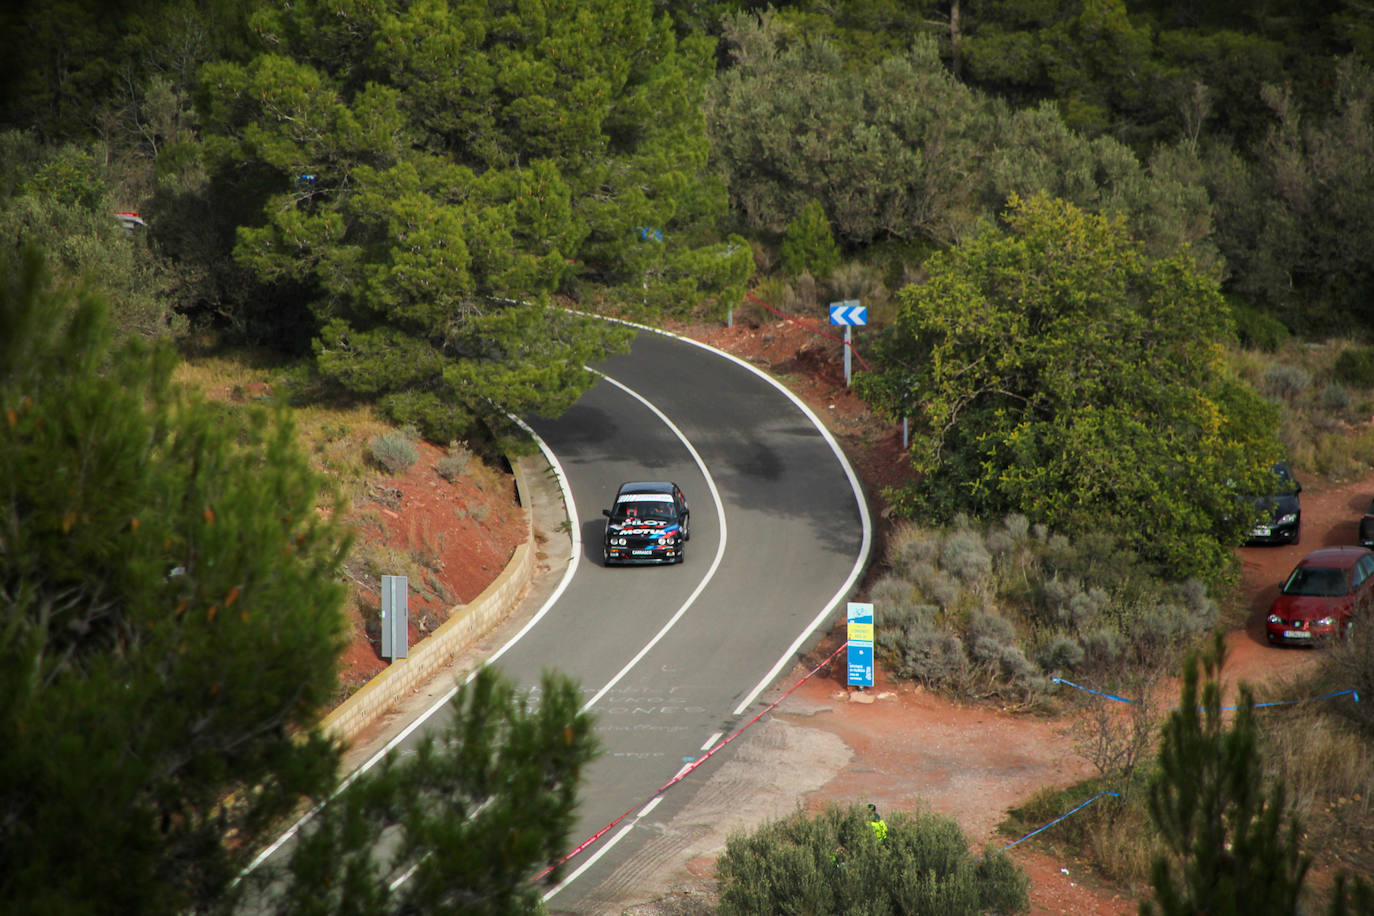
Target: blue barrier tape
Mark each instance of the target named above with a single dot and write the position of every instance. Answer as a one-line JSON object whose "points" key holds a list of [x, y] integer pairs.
{"points": [[1055, 821], [1339, 693], [1060, 680]]}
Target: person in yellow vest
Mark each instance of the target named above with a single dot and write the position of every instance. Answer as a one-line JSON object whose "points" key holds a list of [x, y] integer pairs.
{"points": [[875, 820]]}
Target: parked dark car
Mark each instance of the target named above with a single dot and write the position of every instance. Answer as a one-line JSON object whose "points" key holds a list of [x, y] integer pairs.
{"points": [[648, 523], [1323, 595], [1281, 511], [1367, 527]]}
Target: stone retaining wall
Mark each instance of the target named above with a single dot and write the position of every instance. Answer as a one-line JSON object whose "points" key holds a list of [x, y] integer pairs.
{"points": [[465, 624]]}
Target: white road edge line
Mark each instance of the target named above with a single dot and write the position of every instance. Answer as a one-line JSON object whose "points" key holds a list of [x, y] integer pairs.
{"points": [[576, 873]]}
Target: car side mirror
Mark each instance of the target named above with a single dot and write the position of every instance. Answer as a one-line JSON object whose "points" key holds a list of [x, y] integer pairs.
{"points": [[606, 512]]}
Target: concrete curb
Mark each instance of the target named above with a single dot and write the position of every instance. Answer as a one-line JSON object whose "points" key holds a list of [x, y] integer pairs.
{"points": [[466, 624]]}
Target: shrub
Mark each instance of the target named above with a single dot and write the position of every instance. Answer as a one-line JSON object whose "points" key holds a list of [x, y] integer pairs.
{"points": [[1041, 603], [929, 655], [832, 863], [1285, 383], [1355, 367], [772, 290], [455, 463], [1102, 647], [808, 244], [1062, 653], [1334, 398], [896, 604], [909, 546], [1350, 664], [393, 451], [966, 556], [1256, 329]]}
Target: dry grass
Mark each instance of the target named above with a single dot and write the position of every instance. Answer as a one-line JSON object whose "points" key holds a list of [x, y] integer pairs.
{"points": [[1125, 845], [1324, 425]]}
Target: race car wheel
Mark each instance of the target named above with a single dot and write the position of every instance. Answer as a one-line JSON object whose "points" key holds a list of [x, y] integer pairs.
{"points": [[686, 528]]}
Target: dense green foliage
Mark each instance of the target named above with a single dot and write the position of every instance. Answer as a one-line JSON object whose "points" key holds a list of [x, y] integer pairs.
{"points": [[61, 199], [833, 863], [1052, 369], [472, 816], [430, 174], [171, 618], [898, 149]]}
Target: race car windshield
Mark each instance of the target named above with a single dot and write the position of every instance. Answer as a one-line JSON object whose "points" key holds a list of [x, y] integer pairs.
{"points": [[657, 510]]}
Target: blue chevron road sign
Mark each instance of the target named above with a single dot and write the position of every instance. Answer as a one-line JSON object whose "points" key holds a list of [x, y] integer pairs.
{"points": [[848, 313]]}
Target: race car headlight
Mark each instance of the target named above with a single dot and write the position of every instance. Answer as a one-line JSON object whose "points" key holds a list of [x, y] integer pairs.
{"points": [[1288, 519], [1325, 621]]}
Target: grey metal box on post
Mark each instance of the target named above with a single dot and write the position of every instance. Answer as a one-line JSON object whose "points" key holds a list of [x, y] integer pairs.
{"points": [[395, 617]]}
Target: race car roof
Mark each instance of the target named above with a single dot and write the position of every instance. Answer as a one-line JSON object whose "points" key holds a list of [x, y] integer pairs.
{"points": [[647, 486]]}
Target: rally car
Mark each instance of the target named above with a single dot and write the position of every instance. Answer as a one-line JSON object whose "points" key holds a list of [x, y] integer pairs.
{"points": [[648, 523]]}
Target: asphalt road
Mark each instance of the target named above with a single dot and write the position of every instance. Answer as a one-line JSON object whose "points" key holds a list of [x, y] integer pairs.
{"points": [[673, 659]]}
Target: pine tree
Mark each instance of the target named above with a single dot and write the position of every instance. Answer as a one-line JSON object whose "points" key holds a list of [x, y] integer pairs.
{"points": [[429, 174], [1232, 844], [170, 618], [470, 819]]}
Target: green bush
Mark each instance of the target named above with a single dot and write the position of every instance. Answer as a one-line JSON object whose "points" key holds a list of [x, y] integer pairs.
{"points": [[1355, 367], [808, 244], [1257, 329], [834, 864], [1334, 398], [395, 452]]}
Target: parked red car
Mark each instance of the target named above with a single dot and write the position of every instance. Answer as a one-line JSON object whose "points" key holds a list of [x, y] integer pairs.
{"points": [[1321, 596]]}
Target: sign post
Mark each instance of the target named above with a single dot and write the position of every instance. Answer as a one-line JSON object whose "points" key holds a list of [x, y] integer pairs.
{"points": [[860, 617], [848, 313]]}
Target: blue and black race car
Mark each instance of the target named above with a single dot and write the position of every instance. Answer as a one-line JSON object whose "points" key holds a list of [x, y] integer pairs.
{"points": [[648, 523]]}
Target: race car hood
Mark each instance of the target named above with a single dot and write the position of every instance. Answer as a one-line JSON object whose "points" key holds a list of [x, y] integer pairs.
{"points": [[641, 527]]}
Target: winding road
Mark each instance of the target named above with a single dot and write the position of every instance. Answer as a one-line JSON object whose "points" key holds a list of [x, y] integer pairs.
{"points": [[674, 659]]}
